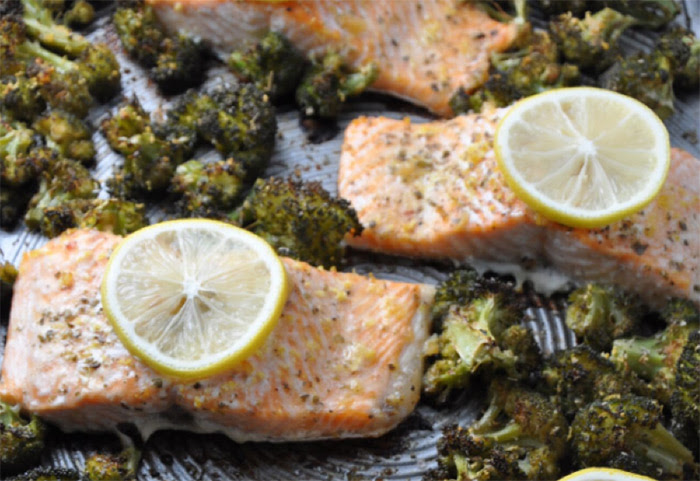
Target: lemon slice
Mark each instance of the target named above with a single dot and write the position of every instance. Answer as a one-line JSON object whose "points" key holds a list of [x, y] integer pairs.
{"points": [[604, 474], [193, 297], [584, 157]]}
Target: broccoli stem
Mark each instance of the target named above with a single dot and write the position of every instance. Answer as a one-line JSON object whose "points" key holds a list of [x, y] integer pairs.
{"points": [[34, 50], [510, 432], [357, 82], [643, 356], [663, 448], [58, 37]]}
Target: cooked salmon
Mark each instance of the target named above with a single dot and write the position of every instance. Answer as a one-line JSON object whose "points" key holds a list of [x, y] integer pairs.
{"points": [[345, 359], [425, 50], [434, 190]]}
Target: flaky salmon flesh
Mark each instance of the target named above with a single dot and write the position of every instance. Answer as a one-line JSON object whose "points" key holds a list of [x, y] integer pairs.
{"points": [[425, 50], [345, 359], [434, 190]]}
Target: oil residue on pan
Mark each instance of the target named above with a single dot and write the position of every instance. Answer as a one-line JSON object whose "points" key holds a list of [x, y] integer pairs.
{"points": [[404, 454]]}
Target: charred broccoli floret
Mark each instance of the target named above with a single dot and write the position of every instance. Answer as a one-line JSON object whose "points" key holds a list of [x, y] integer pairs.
{"points": [[648, 13], [577, 376], [531, 69], [648, 77], [20, 96], [461, 287], [22, 158], [327, 83], [685, 400], [599, 314], [64, 181], [274, 65], [129, 121], [289, 215], [21, 439], [237, 119], [175, 63], [49, 474], [208, 190], [483, 334], [682, 49], [521, 435], [655, 359], [67, 135], [591, 42], [628, 428], [110, 467]]}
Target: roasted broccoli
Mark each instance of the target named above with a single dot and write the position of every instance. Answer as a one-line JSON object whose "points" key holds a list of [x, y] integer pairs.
{"points": [[327, 83], [647, 13], [591, 42], [150, 159], [289, 215], [682, 49], [655, 358], [599, 314], [109, 467], [22, 158], [483, 334], [208, 190], [577, 376], [685, 400], [521, 435], [175, 63], [67, 135], [64, 181], [555, 7], [627, 432], [49, 474], [21, 439], [273, 64], [20, 97], [461, 287], [237, 119], [80, 14], [530, 69], [648, 77]]}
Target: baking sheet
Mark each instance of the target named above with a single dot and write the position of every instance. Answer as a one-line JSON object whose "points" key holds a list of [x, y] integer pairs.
{"points": [[407, 452]]}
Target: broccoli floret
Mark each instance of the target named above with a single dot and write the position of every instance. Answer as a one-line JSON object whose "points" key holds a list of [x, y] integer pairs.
{"points": [[461, 287], [243, 126], [648, 77], [175, 63], [118, 216], [599, 314], [20, 96], [655, 358], [521, 435], [530, 69], [42, 27], [21, 439], [80, 14], [22, 158], [289, 215], [208, 190], [274, 65], [49, 474], [555, 7], [483, 334], [682, 49], [67, 135], [648, 13], [64, 181], [577, 376], [631, 426], [109, 467], [327, 83], [591, 42], [129, 121], [685, 400]]}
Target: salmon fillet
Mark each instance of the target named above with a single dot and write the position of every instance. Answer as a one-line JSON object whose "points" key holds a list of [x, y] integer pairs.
{"points": [[345, 359], [434, 190], [425, 50]]}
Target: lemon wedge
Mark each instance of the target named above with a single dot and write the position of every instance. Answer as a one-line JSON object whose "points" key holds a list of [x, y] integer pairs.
{"points": [[604, 474], [583, 157], [193, 297]]}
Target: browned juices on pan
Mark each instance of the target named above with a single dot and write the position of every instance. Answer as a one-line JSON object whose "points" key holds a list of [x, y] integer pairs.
{"points": [[435, 190], [345, 359], [425, 50]]}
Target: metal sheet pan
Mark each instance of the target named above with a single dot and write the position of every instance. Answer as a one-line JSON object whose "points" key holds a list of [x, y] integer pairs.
{"points": [[407, 452]]}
